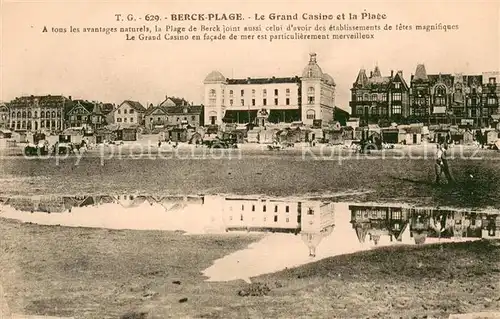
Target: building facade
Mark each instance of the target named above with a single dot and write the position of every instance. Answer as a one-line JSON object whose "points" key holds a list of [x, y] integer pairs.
{"points": [[34, 113], [131, 112], [173, 112], [85, 113], [455, 99], [4, 115], [377, 98], [261, 100]]}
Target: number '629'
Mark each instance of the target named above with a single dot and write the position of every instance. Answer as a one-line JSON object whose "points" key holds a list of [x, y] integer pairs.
{"points": [[152, 17]]}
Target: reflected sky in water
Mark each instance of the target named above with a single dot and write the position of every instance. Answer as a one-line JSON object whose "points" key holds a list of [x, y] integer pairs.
{"points": [[299, 230]]}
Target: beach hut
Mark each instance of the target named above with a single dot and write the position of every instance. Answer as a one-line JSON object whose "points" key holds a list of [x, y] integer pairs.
{"points": [[491, 136], [178, 135], [390, 135], [4, 133], [468, 137]]}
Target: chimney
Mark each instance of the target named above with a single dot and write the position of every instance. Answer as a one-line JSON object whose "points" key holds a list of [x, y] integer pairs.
{"points": [[70, 98], [392, 73], [400, 72], [371, 74]]}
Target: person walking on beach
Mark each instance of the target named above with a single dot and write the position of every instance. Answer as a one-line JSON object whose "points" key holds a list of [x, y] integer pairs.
{"points": [[441, 165]]}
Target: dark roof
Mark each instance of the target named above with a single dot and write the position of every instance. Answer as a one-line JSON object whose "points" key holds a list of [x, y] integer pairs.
{"points": [[169, 110], [191, 109], [135, 105], [273, 79], [176, 100], [107, 108], [375, 82], [91, 107], [43, 101]]}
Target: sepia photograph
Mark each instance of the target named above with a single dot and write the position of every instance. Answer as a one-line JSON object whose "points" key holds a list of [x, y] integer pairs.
{"points": [[246, 159]]}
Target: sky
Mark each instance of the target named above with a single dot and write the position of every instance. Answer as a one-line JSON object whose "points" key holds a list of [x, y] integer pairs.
{"points": [[109, 69]]}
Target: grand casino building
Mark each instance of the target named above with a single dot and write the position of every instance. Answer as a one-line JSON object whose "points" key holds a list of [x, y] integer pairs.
{"points": [[309, 98]]}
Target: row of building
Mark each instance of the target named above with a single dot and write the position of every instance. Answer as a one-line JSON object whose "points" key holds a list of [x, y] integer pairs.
{"points": [[308, 98], [432, 99], [57, 113]]}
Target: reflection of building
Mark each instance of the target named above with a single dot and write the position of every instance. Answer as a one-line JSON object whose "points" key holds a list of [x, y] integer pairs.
{"points": [[49, 204], [261, 100], [265, 214], [377, 221], [317, 222], [491, 226]]}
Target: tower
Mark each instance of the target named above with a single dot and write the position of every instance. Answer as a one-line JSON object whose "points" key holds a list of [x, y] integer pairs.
{"points": [[215, 84]]}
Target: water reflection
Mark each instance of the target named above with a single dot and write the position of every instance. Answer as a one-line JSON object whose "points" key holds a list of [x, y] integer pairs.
{"points": [[300, 230]]}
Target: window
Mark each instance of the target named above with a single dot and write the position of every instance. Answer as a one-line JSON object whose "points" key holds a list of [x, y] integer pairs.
{"points": [[492, 81], [124, 111], [396, 96], [275, 218], [275, 92], [264, 208], [230, 93], [131, 119], [212, 93], [253, 208], [242, 102], [125, 119], [119, 111], [287, 92], [24, 114], [264, 92], [366, 97], [78, 117], [242, 207], [242, 92], [264, 102], [275, 101], [287, 219], [119, 119], [131, 111], [396, 109], [396, 215], [231, 102], [397, 85], [253, 102], [310, 115], [275, 208], [310, 211], [374, 97], [193, 118], [491, 101], [241, 217], [253, 92], [287, 209], [384, 97], [287, 101]]}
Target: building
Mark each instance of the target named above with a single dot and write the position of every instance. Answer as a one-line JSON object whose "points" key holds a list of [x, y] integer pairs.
{"points": [[455, 99], [85, 113], [129, 112], [34, 113], [261, 100], [4, 116], [173, 112], [491, 96], [378, 98]]}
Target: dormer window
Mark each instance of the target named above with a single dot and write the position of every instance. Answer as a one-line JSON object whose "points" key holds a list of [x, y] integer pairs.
{"points": [[397, 85]]}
